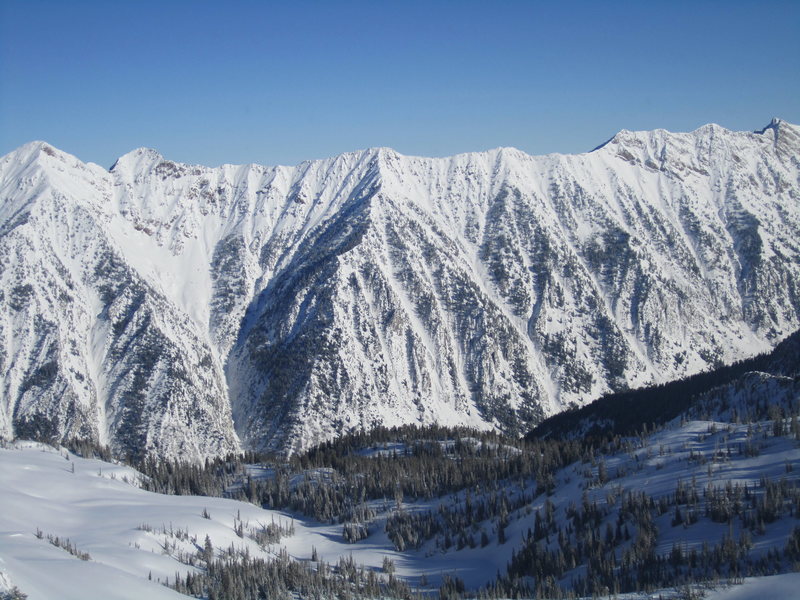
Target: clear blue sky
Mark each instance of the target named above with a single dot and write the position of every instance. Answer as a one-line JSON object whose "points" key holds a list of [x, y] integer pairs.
{"points": [[277, 83]]}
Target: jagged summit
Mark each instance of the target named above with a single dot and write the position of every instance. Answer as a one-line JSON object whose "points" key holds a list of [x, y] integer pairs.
{"points": [[182, 310], [774, 124], [145, 158], [628, 136], [31, 149], [31, 153], [137, 159], [786, 137]]}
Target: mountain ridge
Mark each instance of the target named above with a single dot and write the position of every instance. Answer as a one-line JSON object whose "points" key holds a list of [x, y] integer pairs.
{"points": [[625, 413], [486, 289]]}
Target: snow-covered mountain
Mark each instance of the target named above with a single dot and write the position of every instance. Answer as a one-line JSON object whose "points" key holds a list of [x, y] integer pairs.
{"points": [[188, 311]]}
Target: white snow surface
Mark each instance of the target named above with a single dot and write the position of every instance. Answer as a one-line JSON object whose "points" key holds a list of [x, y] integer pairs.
{"points": [[775, 587], [180, 310], [100, 509]]}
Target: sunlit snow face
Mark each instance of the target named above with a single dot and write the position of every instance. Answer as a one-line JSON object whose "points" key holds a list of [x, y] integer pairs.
{"points": [[184, 311]]}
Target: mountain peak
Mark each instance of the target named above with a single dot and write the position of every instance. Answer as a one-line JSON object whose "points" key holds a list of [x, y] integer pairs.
{"points": [[32, 150], [773, 124], [785, 136], [637, 137], [42, 158], [138, 159]]}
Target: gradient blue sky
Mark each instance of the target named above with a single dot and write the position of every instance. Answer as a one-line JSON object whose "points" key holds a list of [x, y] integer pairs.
{"points": [[277, 83]]}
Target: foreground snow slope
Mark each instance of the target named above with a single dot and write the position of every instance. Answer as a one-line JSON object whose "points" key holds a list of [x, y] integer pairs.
{"points": [[181, 310], [777, 587], [101, 511], [132, 535], [97, 513]]}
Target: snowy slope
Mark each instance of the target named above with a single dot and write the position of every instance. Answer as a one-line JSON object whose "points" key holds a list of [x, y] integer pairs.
{"points": [[136, 539], [97, 507], [187, 311], [98, 512], [124, 529], [777, 587]]}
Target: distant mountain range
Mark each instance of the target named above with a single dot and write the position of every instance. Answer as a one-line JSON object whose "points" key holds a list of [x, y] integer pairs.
{"points": [[182, 311]]}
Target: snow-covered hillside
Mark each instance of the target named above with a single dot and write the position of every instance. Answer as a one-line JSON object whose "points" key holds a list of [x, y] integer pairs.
{"points": [[134, 539], [181, 310], [703, 500]]}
